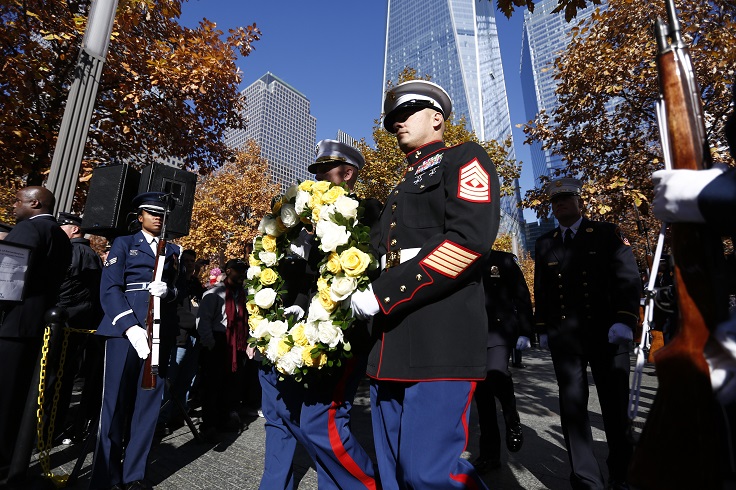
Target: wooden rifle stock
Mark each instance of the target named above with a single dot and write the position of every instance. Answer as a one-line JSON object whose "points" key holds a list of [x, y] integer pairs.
{"points": [[678, 447], [153, 321]]}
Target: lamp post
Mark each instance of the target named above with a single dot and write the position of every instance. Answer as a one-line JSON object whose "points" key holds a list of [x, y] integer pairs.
{"points": [[69, 147]]}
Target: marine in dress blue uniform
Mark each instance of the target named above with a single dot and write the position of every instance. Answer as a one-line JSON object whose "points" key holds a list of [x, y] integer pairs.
{"points": [[587, 290], [126, 289], [510, 325], [319, 416], [430, 327]]}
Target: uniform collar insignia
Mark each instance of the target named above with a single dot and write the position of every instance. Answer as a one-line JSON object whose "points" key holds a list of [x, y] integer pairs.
{"points": [[424, 152]]}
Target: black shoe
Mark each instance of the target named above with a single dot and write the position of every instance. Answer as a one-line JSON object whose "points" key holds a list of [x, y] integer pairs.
{"points": [[484, 464], [137, 485], [514, 437]]}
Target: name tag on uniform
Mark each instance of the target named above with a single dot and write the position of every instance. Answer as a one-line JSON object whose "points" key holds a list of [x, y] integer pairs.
{"points": [[552, 263], [133, 253]]}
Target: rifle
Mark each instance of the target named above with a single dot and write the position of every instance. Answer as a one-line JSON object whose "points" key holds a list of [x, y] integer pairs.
{"points": [[678, 447], [153, 317]]}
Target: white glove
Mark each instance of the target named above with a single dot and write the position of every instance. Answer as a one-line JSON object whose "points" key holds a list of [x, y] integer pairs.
{"points": [[676, 193], [620, 334], [523, 343], [139, 339], [301, 245], [543, 341], [720, 352], [158, 288], [295, 310], [364, 303]]}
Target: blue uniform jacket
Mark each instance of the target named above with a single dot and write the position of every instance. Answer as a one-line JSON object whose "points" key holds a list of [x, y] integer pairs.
{"points": [[130, 261]]}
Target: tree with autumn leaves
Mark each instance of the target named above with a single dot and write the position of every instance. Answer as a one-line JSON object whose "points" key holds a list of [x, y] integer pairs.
{"points": [[605, 125], [166, 90], [229, 204]]}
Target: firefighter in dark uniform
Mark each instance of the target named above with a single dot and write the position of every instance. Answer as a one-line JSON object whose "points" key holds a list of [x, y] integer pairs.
{"points": [[129, 413], [586, 291], [510, 325], [430, 327], [80, 297]]}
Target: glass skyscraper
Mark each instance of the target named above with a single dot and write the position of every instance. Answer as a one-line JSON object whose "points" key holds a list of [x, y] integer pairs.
{"points": [[456, 43], [277, 117], [545, 37]]}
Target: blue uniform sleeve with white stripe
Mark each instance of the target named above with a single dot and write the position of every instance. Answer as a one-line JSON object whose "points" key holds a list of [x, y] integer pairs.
{"points": [[112, 287]]}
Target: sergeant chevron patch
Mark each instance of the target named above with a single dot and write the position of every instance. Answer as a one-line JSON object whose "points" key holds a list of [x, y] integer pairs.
{"points": [[450, 259], [474, 185]]}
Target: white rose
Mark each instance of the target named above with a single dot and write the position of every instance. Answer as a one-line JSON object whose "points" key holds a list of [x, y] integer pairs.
{"points": [[265, 298], [291, 360], [251, 291], [327, 212], [342, 287], [268, 258], [317, 313], [346, 206], [253, 272], [302, 201], [330, 334], [261, 329], [289, 216], [331, 235], [272, 349], [291, 192], [311, 332], [277, 328], [269, 226]]}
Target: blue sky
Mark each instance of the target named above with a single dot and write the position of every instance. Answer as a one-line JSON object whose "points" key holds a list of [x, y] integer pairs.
{"points": [[332, 52]]}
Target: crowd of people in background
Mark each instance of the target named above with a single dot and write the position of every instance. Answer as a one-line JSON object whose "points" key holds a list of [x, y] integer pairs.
{"points": [[433, 238]]}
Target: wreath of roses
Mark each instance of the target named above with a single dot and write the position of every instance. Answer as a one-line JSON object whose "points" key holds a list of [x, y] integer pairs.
{"points": [[318, 342]]}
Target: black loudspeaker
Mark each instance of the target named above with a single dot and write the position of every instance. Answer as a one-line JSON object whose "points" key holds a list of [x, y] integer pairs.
{"points": [[111, 191], [181, 185]]}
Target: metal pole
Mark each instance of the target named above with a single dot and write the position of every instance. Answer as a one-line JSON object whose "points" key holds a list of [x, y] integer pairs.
{"points": [[69, 148]]}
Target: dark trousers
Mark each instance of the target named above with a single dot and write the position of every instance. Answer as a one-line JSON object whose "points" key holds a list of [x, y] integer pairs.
{"points": [[19, 357], [498, 384], [219, 383], [610, 368]]}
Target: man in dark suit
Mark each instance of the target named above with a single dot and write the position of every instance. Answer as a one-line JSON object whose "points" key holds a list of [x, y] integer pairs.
{"points": [[510, 325], [429, 324], [587, 291], [129, 413], [22, 324]]}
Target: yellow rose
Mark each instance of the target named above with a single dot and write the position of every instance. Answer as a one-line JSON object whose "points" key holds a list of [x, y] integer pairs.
{"points": [[318, 361], [277, 207], [315, 200], [333, 263], [252, 309], [253, 260], [354, 262], [322, 284], [315, 214], [321, 186], [284, 348], [268, 276], [269, 243], [280, 226], [253, 322], [326, 301], [331, 195], [297, 334]]}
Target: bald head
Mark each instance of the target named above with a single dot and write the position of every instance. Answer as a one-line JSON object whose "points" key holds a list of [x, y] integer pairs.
{"points": [[32, 201]]}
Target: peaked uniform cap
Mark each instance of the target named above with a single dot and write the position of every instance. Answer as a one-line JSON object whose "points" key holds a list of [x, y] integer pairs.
{"points": [[154, 202], [419, 94], [565, 186], [68, 219], [335, 151]]}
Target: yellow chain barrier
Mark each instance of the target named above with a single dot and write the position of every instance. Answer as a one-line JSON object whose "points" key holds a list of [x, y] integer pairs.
{"points": [[45, 440]]}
